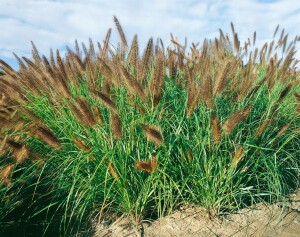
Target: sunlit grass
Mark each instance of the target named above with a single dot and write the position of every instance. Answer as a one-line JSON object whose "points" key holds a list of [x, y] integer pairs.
{"points": [[165, 130]]}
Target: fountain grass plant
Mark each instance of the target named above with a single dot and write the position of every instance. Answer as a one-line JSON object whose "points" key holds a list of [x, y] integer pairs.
{"points": [[112, 133]]}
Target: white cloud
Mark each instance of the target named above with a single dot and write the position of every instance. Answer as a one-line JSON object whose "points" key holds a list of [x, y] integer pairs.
{"points": [[57, 23]]}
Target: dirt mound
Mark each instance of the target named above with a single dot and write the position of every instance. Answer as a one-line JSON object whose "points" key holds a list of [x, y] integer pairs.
{"points": [[280, 219]]}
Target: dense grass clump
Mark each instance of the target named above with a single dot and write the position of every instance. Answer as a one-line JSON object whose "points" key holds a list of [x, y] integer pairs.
{"points": [[113, 133]]}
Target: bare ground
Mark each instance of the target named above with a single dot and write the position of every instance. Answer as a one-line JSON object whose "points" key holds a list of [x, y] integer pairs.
{"points": [[280, 219]]}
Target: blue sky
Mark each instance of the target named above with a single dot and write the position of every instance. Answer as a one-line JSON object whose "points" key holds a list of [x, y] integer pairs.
{"points": [[57, 23]]}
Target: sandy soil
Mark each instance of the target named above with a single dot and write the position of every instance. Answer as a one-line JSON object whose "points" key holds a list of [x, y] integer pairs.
{"points": [[280, 219]]}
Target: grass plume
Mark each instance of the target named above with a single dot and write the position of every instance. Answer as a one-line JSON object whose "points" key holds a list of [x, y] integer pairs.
{"points": [[153, 133], [147, 166], [234, 119]]}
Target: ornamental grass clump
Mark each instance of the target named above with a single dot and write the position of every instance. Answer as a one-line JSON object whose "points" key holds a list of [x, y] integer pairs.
{"points": [[113, 131]]}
